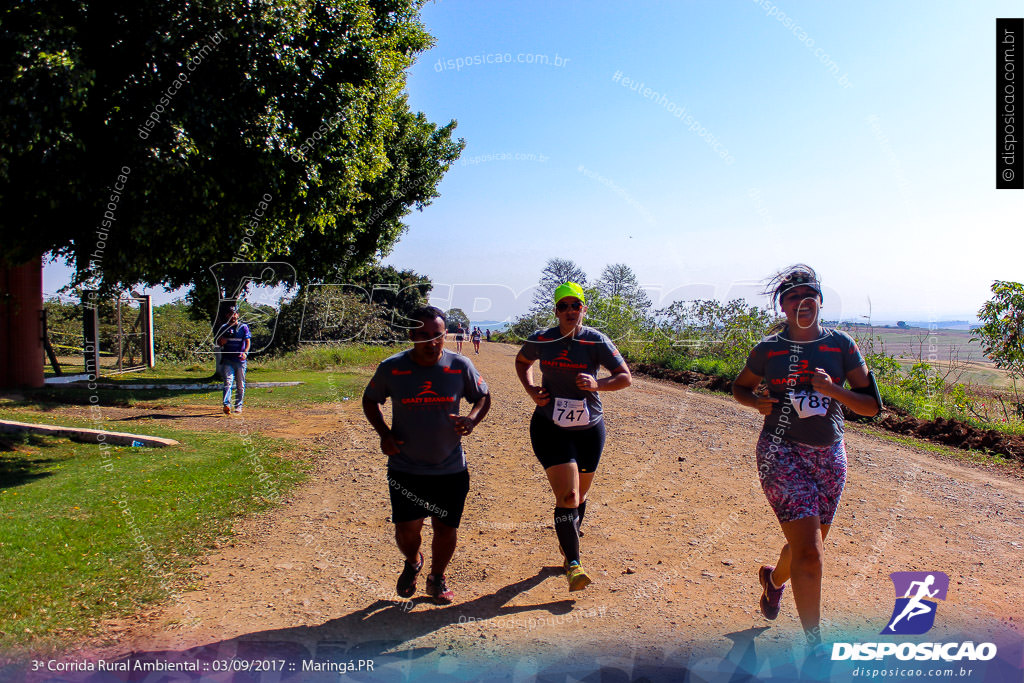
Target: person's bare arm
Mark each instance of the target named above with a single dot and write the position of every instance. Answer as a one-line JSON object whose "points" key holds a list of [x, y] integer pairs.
{"points": [[862, 404], [465, 424], [743, 391], [388, 444], [619, 379], [524, 370]]}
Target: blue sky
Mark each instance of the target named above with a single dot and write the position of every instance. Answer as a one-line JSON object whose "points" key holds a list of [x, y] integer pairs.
{"points": [[885, 186], [861, 139]]}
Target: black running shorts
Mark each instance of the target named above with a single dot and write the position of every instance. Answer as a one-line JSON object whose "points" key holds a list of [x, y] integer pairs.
{"points": [[556, 446], [415, 496]]}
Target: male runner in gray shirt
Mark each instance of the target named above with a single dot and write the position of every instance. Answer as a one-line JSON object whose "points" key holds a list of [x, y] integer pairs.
{"points": [[427, 475]]}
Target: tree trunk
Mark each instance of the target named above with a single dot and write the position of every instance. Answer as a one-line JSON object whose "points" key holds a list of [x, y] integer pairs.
{"points": [[21, 335]]}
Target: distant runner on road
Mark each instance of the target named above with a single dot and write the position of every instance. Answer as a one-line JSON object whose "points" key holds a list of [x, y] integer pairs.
{"points": [[567, 428], [801, 456], [460, 336], [477, 334], [427, 475]]}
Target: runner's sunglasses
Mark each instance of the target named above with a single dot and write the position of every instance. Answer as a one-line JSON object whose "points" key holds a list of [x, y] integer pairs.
{"points": [[563, 306]]}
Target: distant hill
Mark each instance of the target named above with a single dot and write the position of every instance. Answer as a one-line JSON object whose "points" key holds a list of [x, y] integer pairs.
{"points": [[911, 324], [944, 324], [493, 325]]}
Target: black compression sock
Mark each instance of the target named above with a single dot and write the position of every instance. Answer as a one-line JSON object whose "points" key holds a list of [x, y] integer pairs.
{"points": [[580, 511], [568, 536]]}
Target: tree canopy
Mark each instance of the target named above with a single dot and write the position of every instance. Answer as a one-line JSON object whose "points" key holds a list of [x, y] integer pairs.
{"points": [[619, 280], [556, 271], [145, 142], [1001, 333], [457, 316]]}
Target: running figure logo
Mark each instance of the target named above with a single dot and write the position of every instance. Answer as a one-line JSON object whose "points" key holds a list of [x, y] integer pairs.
{"points": [[426, 390], [914, 612]]}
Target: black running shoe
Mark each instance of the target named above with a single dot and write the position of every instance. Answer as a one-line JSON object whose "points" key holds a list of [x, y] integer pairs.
{"points": [[771, 598], [406, 585]]}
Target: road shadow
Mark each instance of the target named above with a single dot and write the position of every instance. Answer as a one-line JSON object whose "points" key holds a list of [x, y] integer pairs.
{"points": [[743, 654], [164, 416], [374, 633], [55, 396], [17, 468], [21, 461], [744, 663]]}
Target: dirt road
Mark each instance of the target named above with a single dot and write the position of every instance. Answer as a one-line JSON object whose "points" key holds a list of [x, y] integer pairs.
{"points": [[676, 528]]}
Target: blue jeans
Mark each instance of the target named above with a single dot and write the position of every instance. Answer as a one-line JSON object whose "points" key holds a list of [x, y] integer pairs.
{"points": [[234, 373]]}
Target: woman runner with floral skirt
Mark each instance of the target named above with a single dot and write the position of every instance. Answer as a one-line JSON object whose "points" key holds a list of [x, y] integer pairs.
{"points": [[801, 456]]}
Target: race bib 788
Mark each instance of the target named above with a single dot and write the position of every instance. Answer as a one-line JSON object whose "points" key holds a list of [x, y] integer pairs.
{"points": [[809, 402]]}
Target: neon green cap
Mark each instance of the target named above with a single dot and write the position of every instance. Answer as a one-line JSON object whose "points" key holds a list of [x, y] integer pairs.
{"points": [[569, 289]]}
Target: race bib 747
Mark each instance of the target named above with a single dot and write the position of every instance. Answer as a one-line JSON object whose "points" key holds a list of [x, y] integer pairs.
{"points": [[571, 412]]}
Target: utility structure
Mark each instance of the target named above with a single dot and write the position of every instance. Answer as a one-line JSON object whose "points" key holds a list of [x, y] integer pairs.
{"points": [[131, 335]]}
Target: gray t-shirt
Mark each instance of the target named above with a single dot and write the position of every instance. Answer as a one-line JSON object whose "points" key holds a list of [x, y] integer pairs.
{"points": [[421, 400], [561, 359], [802, 414]]}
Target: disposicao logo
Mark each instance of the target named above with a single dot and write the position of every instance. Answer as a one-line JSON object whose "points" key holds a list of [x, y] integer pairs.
{"points": [[914, 613], [917, 594]]}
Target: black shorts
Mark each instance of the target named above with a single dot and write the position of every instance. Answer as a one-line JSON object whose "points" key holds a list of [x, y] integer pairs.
{"points": [[415, 496], [556, 446]]}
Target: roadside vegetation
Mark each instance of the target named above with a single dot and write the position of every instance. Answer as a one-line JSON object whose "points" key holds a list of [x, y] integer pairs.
{"points": [[714, 338], [90, 534]]}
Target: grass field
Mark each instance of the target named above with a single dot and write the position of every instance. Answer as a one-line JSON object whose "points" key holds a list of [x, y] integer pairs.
{"points": [[89, 534], [917, 343]]}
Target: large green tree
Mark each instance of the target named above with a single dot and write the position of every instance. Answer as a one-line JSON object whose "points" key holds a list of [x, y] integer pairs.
{"points": [[456, 317], [373, 305], [144, 142], [1001, 333]]}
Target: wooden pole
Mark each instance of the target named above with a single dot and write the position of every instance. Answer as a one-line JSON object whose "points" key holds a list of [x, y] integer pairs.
{"points": [[146, 313], [120, 336], [91, 333], [49, 348]]}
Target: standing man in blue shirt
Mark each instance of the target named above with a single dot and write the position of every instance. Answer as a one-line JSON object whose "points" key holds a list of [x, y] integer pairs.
{"points": [[234, 339]]}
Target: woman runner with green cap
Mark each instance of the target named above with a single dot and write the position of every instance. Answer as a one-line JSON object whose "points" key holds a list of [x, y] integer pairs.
{"points": [[567, 428]]}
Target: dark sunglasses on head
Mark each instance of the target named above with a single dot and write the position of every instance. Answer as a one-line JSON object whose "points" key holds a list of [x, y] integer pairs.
{"points": [[563, 306]]}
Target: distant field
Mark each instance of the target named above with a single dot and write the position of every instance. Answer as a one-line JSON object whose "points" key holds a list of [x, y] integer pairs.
{"points": [[916, 343], [938, 347]]}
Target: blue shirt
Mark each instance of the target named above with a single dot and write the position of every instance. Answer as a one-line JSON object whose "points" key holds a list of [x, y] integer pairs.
{"points": [[236, 337]]}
